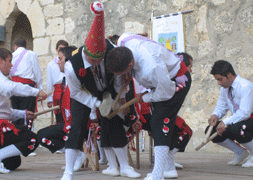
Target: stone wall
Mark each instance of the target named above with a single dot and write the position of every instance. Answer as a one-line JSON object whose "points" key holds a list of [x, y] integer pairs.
{"points": [[217, 29]]}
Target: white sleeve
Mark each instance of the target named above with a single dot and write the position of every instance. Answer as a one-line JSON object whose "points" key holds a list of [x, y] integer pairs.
{"points": [[9, 88], [50, 86], [76, 91], [221, 107], [37, 71], [17, 114], [164, 86], [245, 107]]}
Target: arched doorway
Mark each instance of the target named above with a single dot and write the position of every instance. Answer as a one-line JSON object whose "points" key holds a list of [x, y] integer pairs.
{"points": [[22, 28]]}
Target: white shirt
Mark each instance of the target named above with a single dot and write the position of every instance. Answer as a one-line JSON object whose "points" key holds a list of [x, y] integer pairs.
{"points": [[9, 88], [29, 67], [76, 91], [154, 67], [242, 94], [54, 76]]}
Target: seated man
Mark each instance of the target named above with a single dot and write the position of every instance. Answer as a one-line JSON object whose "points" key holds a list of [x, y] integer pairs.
{"points": [[15, 140], [236, 95]]}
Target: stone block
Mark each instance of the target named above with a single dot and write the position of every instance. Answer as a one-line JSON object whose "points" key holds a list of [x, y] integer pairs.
{"points": [[55, 26], [51, 11], [69, 25], [41, 46]]}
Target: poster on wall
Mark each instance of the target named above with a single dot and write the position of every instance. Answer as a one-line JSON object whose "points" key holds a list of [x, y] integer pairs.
{"points": [[169, 31]]}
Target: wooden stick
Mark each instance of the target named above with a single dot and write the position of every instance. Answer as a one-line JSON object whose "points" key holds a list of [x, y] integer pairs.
{"points": [[121, 108], [137, 149], [52, 117], [207, 141], [129, 156], [48, 94], [47, 110], [93, 167], [118, 96], [209, 132], [96, 149]]}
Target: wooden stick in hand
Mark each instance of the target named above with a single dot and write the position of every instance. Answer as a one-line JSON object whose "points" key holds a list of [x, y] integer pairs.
{"points": [[47, 110], [121, 108]]}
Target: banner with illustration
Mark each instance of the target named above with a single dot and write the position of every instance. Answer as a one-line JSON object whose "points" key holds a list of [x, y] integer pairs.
{"points": [[169, 31]]}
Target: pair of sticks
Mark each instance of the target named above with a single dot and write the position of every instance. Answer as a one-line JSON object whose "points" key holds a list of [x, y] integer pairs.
{"points": [[108, 114], [208, 138]]}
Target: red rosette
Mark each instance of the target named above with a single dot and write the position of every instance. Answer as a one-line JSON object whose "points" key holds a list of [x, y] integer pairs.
{"points": [[242, 133], [82, 72], [33, 140], [181, 138], [98, 137], [166, 129], [166, 120], [65, 138], [31, 147], [132, 117], [244, 126], [49, 142]]}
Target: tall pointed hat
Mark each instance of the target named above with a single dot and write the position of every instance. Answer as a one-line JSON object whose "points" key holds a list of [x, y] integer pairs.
{"points": [[95, 45]]}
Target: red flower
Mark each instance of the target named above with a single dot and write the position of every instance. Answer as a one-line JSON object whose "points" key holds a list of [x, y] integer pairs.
{"points": [[31, 147], [82, 72]]}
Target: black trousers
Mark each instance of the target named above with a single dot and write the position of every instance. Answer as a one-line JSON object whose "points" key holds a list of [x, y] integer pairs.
{"points": [[24, 142], [23, 103], [167, 109], [236, 132], [53, 133], [112, 132], [78, 132]]}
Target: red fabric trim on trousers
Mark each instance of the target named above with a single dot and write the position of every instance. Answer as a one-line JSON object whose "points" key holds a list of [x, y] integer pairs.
{"points": [[22, 80], [65, 104], [137, 108], [182, 70], [57, 97], [181, 124], [251, 116], [4, 124]]}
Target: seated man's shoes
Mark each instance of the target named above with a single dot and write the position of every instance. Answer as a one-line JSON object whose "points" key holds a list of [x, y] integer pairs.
{"points": [[248, 163], [67, 176], [238, 158], [111, 171], [149, 177], [3, 170], [178, 166], [170, 174], [79, 160], [129, 172]]}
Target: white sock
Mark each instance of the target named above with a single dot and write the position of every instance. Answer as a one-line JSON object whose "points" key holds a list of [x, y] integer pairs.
{"points": [[110, 157], [101, 150], [160, 153], [231, 145], [121, 154], [70, 158], [249, 146], [169, 163], [9, 151]]}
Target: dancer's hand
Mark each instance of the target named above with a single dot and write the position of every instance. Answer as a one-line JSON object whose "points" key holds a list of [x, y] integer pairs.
{"points": [[213, 120], [30, 115]]}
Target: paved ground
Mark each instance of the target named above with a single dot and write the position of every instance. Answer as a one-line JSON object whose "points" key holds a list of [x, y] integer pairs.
{"points": [[197, 165]]}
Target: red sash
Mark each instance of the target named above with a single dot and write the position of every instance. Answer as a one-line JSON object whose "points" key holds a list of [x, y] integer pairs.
{"points": [[23, 80], [182, 70], [57, 96], [6, 126]]}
